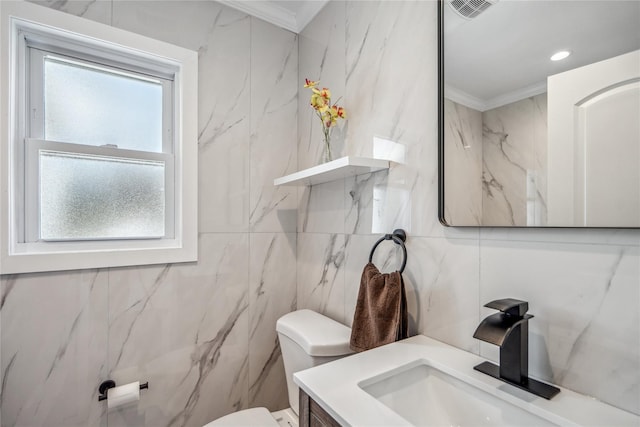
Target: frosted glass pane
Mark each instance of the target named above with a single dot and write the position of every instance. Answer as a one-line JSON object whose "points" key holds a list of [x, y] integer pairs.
{"points": [[93, 197], [99, 107]]}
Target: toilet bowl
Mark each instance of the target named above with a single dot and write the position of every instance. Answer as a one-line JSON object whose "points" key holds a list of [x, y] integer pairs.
{"points": [[307, 339]]}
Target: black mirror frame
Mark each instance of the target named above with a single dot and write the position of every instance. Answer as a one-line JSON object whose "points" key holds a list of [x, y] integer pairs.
{"points": [[440, 27], [441, 164]]}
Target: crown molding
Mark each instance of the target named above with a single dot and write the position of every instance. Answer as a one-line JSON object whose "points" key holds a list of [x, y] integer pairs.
{"points": [[463, 98], [289, 19], [308, 12], [516, 95]]}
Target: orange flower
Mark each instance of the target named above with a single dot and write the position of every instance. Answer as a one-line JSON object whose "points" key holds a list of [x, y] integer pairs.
{"points": [[319, 103], [338, 112], [325, 93], [309, 83]]}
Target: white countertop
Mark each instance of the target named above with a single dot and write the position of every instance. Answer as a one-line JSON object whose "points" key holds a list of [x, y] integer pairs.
{"points": [[334, 386]]}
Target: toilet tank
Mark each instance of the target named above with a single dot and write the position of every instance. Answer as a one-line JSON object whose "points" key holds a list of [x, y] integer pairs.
{"points": [[309, 339]]}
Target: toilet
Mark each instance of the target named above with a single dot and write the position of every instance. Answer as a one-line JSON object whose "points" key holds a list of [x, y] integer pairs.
{"points": [[307, 339]]}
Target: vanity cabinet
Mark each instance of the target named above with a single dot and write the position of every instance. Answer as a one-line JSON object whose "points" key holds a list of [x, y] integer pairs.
{"points": [[312, 415]]}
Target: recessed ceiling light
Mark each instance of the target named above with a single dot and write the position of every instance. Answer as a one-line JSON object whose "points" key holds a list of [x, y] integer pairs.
{"points": [[560, 55]]}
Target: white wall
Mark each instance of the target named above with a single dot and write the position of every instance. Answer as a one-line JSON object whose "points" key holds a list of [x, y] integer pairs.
{"points": [[582, 285]]}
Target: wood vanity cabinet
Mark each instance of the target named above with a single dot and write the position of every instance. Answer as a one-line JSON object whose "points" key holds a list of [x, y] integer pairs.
{"points": [[312, 415]]}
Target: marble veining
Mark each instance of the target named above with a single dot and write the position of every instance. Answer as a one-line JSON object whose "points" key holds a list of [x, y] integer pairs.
{"points": [[578, 344], [207, 136], [224, 122], [330, 266], [140, 305], [209, 355], [496, 195], [272, 293], [62, 347], [274, 59], [321, 284], [8, 287], [257, 386], [512, 137], [359, 205], [510, 145], [96, 10]]}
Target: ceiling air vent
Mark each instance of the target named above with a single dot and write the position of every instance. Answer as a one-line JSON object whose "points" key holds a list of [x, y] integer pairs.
{"points": [[469, 9]]}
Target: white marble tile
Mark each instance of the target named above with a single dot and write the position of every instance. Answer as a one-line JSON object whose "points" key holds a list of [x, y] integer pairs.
{"points": [[54, 346], [95, 10], [183, 23], [183, 328], [388, 66], [372, 206], [394, 107], [442, 274], [274, 106], [514, 163], [224, 128], [272, 293], [508, 157], [463, 168], [585, 298], [321, 208], [321, 47], [320, 274]]}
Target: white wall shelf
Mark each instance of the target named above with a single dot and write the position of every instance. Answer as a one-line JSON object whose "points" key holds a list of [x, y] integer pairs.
{"points": [[337, 169]]}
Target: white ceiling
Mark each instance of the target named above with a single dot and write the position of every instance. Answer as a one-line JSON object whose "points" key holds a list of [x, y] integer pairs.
{"points": [[292, 15], [503, 54]]}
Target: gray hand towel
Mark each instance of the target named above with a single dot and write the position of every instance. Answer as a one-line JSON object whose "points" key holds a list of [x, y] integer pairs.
{"points": [[381, 310]]}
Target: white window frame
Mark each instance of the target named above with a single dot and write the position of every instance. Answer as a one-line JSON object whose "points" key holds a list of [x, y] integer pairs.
{"points": [[23, 24]]}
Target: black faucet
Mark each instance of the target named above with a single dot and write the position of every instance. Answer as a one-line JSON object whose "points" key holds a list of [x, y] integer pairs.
{"points": [[509, 329]]}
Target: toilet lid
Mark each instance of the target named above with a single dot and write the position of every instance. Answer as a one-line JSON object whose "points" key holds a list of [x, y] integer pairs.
{"points": [[318, 335], [248, 418]]}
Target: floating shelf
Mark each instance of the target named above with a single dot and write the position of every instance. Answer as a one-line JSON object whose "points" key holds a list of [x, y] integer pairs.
{"points": [[337, 169]]}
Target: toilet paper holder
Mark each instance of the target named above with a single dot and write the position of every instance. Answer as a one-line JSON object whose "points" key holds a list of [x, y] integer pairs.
{"points": [[106, 385]]}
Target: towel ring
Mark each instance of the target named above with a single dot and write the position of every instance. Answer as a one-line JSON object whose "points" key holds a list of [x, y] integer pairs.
{"points": [[399, 236]]}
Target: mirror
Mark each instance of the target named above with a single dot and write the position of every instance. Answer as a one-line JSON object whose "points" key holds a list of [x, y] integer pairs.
{"points": [[526, 141]]}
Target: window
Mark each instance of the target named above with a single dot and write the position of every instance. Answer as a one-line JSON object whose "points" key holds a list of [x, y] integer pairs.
{"points": [[99, 160]]}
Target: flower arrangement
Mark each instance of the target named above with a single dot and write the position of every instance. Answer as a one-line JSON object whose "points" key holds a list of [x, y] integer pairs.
{"points": [[327, 112]]}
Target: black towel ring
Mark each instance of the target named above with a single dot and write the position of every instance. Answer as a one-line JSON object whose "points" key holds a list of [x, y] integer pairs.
{"points": [[399, 236]]}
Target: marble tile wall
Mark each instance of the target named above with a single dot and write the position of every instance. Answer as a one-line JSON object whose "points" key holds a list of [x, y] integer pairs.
{"points": [[381, 57], [496, 164], [514, 163], [202, 334], [463, 185]]}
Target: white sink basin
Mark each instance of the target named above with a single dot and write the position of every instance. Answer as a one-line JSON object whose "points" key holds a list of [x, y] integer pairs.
{"points": [[426, 396]]}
